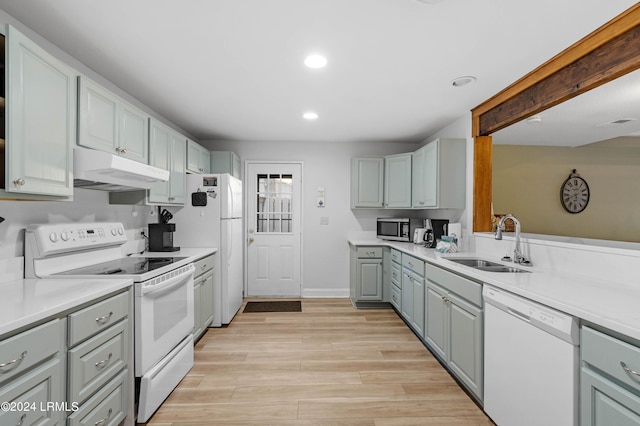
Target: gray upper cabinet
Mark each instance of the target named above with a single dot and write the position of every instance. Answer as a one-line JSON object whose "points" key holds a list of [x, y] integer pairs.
{"points": [[225, 162], [367, 182], [108, 123], [397, 181], [168, 150], [198, 158], [439, 175], [40, 117]]}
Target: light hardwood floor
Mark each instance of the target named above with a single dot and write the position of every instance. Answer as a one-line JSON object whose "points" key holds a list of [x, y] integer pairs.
{"points": [[327, 365]]}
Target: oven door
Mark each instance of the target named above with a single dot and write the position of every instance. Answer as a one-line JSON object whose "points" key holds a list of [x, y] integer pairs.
{"points": [[163, 316]]}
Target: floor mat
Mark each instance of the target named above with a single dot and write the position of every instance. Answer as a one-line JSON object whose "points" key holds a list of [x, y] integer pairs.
{"points": [[273, 306]]}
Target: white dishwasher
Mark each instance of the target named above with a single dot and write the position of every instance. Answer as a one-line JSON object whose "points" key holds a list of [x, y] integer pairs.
{"points": [[531, 362]]}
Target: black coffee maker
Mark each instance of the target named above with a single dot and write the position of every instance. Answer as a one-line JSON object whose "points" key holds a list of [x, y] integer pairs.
{"points": [[161, 234], [161, 237], [435, 231]]}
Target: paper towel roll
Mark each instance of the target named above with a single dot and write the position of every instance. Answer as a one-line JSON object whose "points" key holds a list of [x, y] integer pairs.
{"points": [[455, 228]]}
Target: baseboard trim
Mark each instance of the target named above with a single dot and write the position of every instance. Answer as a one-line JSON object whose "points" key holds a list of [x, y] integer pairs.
{"points": [[333, 293]]}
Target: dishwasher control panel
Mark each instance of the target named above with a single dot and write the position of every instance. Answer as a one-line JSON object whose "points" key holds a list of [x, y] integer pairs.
{"points": [[555, 322]]}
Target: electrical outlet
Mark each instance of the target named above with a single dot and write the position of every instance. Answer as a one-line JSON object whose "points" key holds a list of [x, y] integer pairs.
{"points": [[324, 220]]}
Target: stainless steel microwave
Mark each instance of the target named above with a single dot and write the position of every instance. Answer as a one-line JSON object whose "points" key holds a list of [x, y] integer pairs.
{"points": [[398, 228]]}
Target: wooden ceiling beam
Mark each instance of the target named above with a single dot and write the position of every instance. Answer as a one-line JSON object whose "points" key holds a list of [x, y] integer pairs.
{"points": [[609, 52]]}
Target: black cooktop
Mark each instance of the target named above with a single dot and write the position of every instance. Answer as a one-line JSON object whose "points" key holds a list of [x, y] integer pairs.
{"points": [[125, 266]]}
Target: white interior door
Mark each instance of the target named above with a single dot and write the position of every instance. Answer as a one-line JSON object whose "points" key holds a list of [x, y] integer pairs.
{"points": [[273, 229]]}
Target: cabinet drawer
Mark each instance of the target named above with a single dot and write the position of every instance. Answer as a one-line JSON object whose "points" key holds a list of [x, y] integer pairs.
{"points": [[95, 361], [396, 274], [97, 317], [24, 350], [410, 262], [203, 265], [396, 256], [32, 391], [369, 252], [463, 287], [107, 407], [611, 356]]}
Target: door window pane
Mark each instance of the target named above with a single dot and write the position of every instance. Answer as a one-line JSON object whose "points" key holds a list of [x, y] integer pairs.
{"points": [[274, 198]]}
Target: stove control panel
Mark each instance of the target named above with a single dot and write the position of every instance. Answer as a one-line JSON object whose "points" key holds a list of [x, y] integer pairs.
{"points": [[47, 239]]}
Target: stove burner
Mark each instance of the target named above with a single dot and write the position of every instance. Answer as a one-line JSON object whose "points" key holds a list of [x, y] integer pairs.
{"points": [[125, 266]]}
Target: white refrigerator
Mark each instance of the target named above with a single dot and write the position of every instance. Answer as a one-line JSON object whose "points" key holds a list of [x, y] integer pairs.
{"points": [[213, 218]]}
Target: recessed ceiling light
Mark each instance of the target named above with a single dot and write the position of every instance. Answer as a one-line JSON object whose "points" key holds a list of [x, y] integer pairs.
{"points": [[310, 115], [463, 81], [315, 61]]}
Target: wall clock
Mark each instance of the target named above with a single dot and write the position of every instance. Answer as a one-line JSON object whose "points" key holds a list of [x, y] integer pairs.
{"points": [[574, 193]]}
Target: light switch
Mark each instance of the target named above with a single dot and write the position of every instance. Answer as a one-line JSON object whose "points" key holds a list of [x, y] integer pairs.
{"points": [[320, 202]]}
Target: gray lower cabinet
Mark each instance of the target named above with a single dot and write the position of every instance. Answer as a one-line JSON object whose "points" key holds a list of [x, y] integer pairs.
{"points": [[396, 279], [609, 380], [454, 325], [98, 361], [85, 381], [412, 304], [203, 295], [31, 375], [367, 281]]}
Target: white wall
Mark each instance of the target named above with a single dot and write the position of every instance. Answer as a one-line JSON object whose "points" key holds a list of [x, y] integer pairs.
{"points": [[325, 260], [87, 206]]}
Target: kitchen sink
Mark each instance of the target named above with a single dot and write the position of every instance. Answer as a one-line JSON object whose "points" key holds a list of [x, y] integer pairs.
{"points": [[486, 265]]}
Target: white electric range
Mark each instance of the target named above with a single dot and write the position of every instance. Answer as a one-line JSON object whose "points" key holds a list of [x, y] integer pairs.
{"points": [[163, 306]]}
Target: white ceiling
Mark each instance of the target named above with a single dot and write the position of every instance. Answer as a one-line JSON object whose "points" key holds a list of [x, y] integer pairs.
{"points": [[232, 69]]}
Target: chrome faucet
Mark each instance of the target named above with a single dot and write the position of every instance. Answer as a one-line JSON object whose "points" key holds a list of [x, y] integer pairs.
{"points": [[518, 257]]}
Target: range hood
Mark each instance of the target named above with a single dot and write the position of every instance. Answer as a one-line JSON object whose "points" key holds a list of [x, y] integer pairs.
{"points": [[103, 171]]}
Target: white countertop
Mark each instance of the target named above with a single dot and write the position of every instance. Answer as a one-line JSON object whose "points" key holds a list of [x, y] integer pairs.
{"points": [[610, 304], [29, 301]]}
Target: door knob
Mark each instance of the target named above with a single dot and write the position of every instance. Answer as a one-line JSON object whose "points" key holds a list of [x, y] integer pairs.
{"points": [[251, 240]]}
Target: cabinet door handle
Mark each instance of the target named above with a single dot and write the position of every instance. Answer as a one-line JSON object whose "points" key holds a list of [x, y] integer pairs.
{"points": [[628, 370], [101, 364], [371, 253], [203, 266], [410, 264], [101, 421], [104, 319], [22, 419], [14, 361], [19, 182]]}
